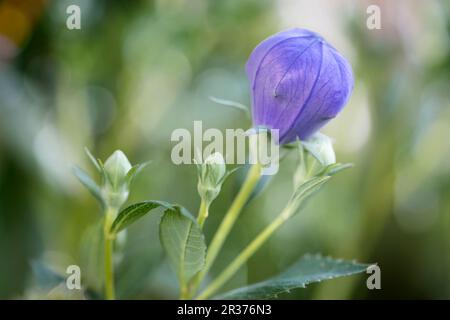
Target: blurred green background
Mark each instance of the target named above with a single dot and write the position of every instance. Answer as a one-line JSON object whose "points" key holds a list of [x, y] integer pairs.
{"points": [[139, 69]]}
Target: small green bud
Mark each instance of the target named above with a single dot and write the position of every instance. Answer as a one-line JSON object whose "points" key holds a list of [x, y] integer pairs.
{"points": [[117, 167], [115, 188], [117, 175], [321, 147], [211, 175]]}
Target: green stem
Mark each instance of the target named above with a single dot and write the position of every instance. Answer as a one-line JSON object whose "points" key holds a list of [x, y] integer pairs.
{"points": [[221, 234], [109, 254], [202, 213], [234, 266], [184, 293]]}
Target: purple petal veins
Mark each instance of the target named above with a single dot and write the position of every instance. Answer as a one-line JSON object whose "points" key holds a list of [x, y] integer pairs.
{"points": [[298, 83]]}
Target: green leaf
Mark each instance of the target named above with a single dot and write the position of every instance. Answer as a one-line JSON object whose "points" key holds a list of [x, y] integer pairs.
{"points": [[92, 158], [309, 187], [304, 191], [132, 213], [133, 172], [332, 169], [229, 173], [184, 243], [232, 104], [309, 269], [87, 181], [104, 174]]}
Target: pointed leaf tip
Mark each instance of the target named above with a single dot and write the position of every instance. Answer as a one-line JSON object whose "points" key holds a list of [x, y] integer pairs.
{"points": [[93, 160], [233, 104], [306, 270], [87, 181], [134, 212]]}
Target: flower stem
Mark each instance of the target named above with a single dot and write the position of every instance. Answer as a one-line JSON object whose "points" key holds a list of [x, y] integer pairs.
{"points": [[221, 234], [184, 293], [202, 213], [234, 266], [109, 254]]}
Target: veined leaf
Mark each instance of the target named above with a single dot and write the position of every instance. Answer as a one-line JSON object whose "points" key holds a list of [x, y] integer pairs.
{"points": [[309, 269], [132, 213], [334, 168], [304, 191], [87, 181], [183, 241], [309, 187]]}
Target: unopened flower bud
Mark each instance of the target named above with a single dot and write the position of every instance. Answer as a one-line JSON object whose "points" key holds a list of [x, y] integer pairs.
{"points": [[116, 188], [211, 175], [321, 147], [298, 83]]}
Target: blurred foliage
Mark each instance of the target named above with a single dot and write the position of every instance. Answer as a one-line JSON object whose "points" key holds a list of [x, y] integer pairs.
{"points": [[138, 70]]}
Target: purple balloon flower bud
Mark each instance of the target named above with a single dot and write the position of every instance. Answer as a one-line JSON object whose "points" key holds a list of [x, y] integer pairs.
{"points": [[298, 83]]}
